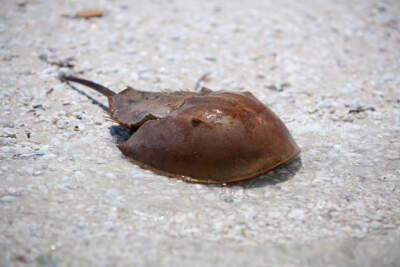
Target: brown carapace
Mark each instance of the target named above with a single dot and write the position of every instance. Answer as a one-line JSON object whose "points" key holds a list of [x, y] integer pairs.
{"points": [[206, 137]]}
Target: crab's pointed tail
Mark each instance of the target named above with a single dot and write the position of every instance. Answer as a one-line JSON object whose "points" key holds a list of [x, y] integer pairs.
{"points": [[99, 88]]}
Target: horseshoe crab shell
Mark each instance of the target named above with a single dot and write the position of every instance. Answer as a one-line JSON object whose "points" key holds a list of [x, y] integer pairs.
{"points": [[206, 137]]}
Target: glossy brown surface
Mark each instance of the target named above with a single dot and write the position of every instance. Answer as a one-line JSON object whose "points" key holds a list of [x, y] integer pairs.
{"points": [[207, 137]]}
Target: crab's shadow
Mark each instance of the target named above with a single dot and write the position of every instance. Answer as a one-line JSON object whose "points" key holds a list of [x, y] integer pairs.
{"points": [[276, 176], [94, 101], [120, 133]]}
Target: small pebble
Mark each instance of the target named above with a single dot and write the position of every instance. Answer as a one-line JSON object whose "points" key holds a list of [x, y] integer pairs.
{"points": [[62, 123], [8, 199], [33, 155], [388, 77], [26, 72], [5, 149], [8, 124], [9, 132], [110, 175], [112, 193], [37, 173], [272, 87], [296, 214], [145, 75], [326, 103], [376, 225], [312, 110]]}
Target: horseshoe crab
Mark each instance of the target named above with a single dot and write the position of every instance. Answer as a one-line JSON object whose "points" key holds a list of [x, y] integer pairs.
{"points": [[205, 137]]}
